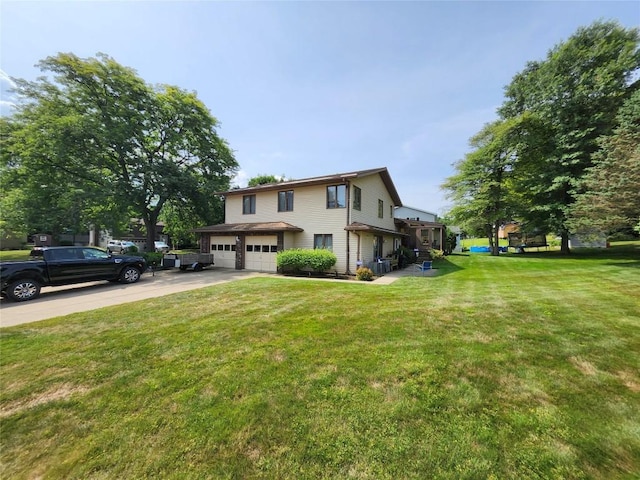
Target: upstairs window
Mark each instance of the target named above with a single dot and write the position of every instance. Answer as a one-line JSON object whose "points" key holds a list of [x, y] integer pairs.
{"points": [[357, 198], [380, 208], [285, 201], [336, 196], [248, 204]]}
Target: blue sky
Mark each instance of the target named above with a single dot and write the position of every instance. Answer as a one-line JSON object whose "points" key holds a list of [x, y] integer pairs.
{"points": [[314, 88]]}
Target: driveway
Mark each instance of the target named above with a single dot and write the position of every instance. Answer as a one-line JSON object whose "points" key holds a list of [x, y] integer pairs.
{"points": [[58, 301]]}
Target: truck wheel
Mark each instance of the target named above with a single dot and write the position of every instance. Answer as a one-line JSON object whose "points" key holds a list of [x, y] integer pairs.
{"points": [[130, 275], [197, 267], [23, 290]]}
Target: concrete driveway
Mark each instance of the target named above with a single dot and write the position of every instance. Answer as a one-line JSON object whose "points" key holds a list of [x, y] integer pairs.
{"points": [[57, 301]]}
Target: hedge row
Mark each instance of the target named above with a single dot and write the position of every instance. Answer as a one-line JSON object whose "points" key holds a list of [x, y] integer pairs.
{"points": [[298, 259]]}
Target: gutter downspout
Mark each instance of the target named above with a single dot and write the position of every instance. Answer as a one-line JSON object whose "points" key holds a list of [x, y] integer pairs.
{"points": [[348, 200]]}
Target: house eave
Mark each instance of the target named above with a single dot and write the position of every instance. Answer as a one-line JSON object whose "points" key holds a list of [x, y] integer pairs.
{"points": [[248, 228], [323, 180], [363, 227]]}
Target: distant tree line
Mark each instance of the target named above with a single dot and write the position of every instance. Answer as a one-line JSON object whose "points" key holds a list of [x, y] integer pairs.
{"points": [[95, 145], [564, 154]]}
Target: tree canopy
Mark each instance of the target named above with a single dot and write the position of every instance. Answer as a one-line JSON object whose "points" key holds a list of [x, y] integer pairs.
{"points": [[485, 187], [611, 199], [570, 101], [98, 145], [264, 179], [576, 91]]}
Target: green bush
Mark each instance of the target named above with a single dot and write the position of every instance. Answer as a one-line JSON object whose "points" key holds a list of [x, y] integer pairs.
{"points": [[364, 274], [298, 259], [436, 254], [153, 259]]}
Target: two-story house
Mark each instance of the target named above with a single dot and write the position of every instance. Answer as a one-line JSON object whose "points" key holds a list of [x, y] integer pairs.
{"points": [[351, 214]]}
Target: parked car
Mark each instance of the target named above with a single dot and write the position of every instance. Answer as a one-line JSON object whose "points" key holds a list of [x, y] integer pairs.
{"points": [[121, 246], [22, 280], [161, 247]]}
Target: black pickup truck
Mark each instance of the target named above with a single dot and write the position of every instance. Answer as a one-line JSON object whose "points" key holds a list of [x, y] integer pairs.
{"points": [[22, 280]]}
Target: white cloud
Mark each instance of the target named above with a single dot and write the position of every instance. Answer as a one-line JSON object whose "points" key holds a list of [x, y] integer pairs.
{"points": [[6, 97], [240, 180]]}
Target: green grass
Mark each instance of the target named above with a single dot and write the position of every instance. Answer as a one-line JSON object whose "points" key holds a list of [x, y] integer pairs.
{"points": [[510, 367], [482, 242], [6, 255]]}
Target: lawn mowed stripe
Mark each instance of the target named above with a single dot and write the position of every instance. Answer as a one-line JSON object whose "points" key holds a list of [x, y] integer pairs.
{"points": [[510, 367]]}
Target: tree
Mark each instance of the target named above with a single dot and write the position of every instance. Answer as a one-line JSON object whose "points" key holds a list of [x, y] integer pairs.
{"points": [[483, 188], [129, 147], [264, 180], [611, 200], [576, 92]]}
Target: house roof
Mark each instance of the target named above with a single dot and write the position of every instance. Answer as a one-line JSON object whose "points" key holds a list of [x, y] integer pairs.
{"points": [[234, 228], [363, 227], [324, 180]]}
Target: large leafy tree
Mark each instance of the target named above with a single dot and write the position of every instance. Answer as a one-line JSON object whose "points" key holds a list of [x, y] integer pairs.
{"points": [[576, 91], [125, 147], [611, 200], [483, 188]]}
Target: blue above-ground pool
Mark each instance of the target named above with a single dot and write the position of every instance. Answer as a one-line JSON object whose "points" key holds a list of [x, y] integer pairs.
{"points": [[475, 249]]}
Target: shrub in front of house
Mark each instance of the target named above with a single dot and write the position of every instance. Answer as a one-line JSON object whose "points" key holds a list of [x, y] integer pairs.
{"points": [[364, 274], [436, 254], [299, 259]]}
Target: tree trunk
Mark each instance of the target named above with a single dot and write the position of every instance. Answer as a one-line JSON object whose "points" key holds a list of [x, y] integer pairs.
{"points": [[564, 243], [150, 221], [495, 248]]}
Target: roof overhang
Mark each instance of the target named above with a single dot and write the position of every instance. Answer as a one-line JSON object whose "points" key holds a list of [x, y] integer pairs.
{"points": [[363, 227], [324, 180], [401, 222], [249, 228]]}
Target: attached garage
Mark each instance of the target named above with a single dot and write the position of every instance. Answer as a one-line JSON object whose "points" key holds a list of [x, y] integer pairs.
{"points": [[251, 246]]}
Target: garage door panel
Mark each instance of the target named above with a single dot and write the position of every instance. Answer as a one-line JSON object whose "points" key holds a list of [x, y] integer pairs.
{"points": [[260, 253], [224, 251]]}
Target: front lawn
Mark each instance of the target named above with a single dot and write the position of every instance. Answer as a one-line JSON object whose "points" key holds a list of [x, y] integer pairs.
{"points": [[510, 367]]}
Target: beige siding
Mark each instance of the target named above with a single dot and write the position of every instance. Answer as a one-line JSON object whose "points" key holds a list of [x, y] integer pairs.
{"points": [[310, 213], [373, 189]]}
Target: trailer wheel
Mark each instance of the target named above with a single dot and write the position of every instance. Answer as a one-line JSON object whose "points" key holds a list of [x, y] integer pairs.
{"points": [[197, 267], [23, 290]]}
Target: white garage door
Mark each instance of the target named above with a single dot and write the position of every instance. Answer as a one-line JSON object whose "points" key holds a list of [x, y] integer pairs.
{"points": [[224, 251], [260, 253]]}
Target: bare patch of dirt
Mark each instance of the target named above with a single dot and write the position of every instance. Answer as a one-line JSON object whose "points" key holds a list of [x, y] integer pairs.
{"points": [[61, 392]]}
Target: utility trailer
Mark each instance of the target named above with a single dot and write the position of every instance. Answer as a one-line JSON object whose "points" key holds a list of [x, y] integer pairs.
{"points": [[520, 241], [183, 261]]}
